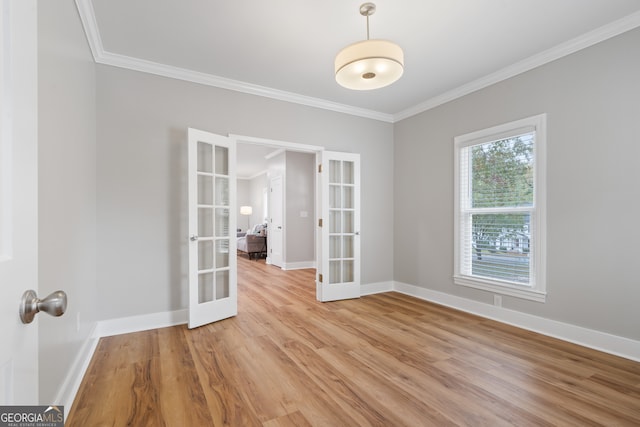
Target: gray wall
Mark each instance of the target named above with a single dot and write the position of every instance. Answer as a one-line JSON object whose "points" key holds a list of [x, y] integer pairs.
{"points": [[67, 185], [141, 179], [300, 197], [592, 99]]}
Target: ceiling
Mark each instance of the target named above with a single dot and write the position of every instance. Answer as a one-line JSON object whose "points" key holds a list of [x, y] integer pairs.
{"points": [[285, 49], [253, 159]]}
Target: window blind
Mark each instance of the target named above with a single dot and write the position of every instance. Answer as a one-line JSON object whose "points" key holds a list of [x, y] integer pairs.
{"points": [[496, 203]]}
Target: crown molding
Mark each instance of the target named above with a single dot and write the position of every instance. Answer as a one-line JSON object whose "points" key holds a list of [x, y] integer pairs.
{"points": [[101, 56], [274, 153], [591, 38], [88, 19], [87, 16], [141, 65], [254, 176]]}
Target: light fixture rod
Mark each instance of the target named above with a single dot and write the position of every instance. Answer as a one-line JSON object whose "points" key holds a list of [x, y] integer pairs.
{"points": [[367, 27], [367, 9]]}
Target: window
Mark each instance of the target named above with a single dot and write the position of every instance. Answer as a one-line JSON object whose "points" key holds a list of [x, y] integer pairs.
{"points": [[500, 209]]}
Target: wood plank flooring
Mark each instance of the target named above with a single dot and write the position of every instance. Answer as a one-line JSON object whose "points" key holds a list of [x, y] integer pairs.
{"points": [[381, 360]]}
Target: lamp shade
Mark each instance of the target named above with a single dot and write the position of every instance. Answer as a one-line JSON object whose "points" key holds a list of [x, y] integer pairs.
{"points": [[246, 210], [369, 64]]}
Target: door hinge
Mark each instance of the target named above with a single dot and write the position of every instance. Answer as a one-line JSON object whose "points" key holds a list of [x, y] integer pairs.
{"points": [[320, 277], [320, 222], [320, 168]]}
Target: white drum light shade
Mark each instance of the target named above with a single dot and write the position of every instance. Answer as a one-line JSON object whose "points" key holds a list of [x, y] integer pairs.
{"points": [[369, 64]]}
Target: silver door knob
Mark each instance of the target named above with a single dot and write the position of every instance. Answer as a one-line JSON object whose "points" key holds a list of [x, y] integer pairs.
{"points": [[193, 238], [54, 304]]}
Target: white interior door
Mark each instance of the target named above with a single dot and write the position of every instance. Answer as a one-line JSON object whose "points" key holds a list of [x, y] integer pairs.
{"points": [[338, 275], [18, 200], [213, 293], [276, 221]]}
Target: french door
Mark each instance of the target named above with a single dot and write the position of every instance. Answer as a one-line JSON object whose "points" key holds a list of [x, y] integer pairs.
{"points": [[338, 275], [213, 292]]}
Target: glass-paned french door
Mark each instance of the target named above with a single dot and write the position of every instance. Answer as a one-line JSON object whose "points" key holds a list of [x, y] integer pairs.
{"points": [[212, 224], [339, 272]]}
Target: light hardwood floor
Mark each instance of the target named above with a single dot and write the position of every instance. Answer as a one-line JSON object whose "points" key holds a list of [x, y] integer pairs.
{"points": [[383, 360]]}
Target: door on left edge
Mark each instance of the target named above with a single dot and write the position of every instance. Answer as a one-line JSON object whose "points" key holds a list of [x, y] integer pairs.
{"points": [[213, 290], [18, 199]]}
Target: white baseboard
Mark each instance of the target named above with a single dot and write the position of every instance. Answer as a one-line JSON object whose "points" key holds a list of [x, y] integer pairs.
{"points": [[375, 288], [144, 322], [608, 343], [71, 383], [298, 265]]}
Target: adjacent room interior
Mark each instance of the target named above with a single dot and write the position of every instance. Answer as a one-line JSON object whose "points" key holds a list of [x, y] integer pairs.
{"points": [[276, 191]]}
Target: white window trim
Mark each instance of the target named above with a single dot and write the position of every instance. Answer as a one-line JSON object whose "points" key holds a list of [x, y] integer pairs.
{"points": [[538, 289]]}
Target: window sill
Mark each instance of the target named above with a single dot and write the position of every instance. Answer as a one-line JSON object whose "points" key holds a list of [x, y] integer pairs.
{"points": [[501, 288]]}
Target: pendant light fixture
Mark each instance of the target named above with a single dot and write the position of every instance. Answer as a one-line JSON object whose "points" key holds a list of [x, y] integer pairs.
{"points": [[369, 64]]}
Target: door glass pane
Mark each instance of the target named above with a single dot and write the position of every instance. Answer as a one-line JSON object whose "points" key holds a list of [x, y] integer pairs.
{"points": [[222, 222], [222, 284], [334, 247], [335, 222], [347, 271], [348, 173], [334, 197], [222, 161], [205, 254], [205, 190], [205, 222], [334, 171], [335, 272], [347, 247], [348, 222], [205, 287], [222, 253], [347, 192], [205, 158], [222, 191]]}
